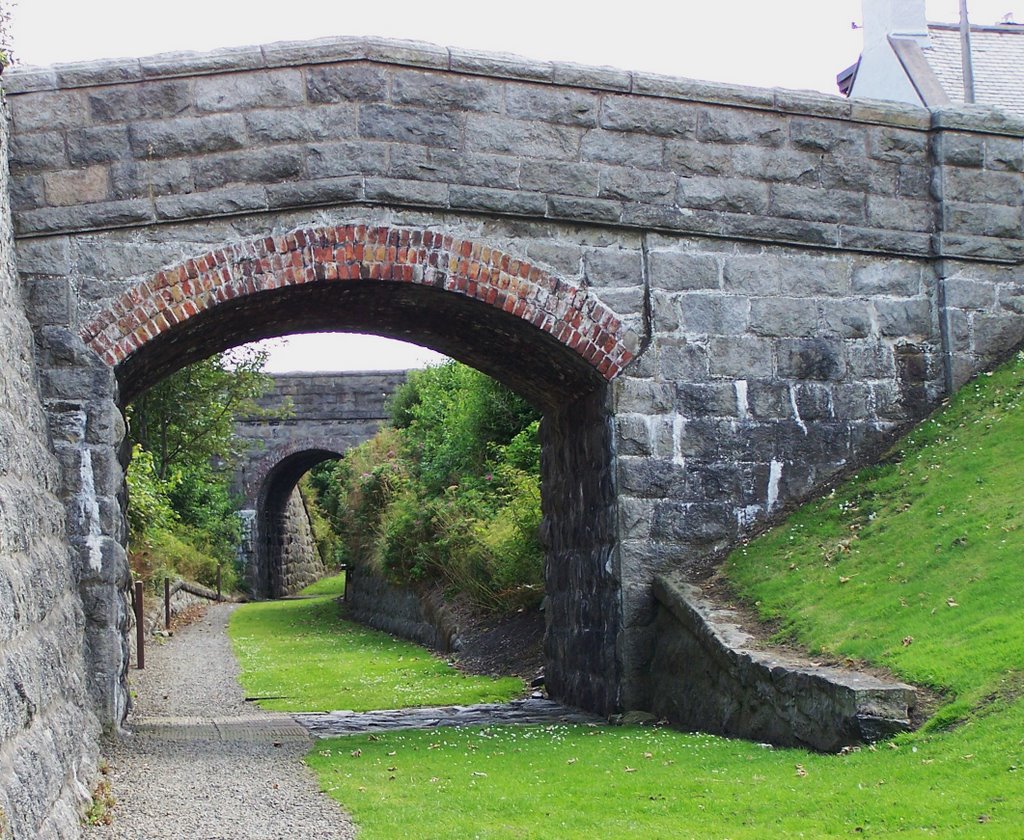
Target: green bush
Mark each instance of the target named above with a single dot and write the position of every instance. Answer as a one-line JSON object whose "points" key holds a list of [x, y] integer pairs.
{"points": [[449, 492]]}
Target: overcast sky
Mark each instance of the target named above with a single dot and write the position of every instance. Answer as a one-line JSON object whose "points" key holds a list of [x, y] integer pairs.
{"points": [[785, 43]]}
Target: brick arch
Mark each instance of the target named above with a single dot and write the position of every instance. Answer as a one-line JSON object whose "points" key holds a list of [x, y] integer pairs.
{"points": [[358, 253]]}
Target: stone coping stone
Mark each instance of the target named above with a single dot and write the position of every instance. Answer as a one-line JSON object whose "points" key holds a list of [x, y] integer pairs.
{"points": [[258, 727], [425, 55], [853, 701], [529, 711]]}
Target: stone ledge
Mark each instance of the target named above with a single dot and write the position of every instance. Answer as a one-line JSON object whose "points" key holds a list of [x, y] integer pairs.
{"points": [[420, 54], [710, 677]]}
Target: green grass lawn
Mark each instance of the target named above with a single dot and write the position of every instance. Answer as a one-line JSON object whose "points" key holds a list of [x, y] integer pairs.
{"points": [[917, 564], [303, 657]]}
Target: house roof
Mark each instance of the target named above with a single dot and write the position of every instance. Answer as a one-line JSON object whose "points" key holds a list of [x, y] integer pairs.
{"points": [[997, 53]]}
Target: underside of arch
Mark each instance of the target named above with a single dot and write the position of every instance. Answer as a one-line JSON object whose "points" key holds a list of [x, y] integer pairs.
{"points": [[475, 303]]}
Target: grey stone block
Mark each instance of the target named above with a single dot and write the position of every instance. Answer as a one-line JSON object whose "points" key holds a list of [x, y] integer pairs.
{"points": [[410, 125], [102, 144], [26, 192], [616, 267], [262, 166], [36, 152], [964, 293], [897, 145], [686, 157], [43, 256], [858, 174], [260, 89], [628, 184], [329, 122], [482, 199], [899, 318], [430, 164], [714, 315], [332, 160], [48, 111], [563, 106], [522, 138], [648, 116], [139, 179], [731, 195], [84, 217], [753, 275], [741, 357], [443, 92], [187, 136], [813, 204], [223, 202], [811, 359], [695, 90], [778, 165], [699, 400], [680, 271], [188, 62], [1004, 154], [683, 359], [722, 125], [914, 182], [594, 78], [956, 148], [997, 335], [346, 83], [994, 220], [581, 179], [783, 316], [583, 209], [623, 149], [422, 193], [900, 214], [815, 135], [845, 318], [150, 101], [501, 65], [891, 278], [960, 184]]}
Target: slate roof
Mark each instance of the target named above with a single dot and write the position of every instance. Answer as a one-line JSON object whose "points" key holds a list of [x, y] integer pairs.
{"points": [[998, 55]]}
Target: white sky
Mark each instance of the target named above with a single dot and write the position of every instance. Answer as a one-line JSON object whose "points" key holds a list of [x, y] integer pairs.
{"points": [[785, 43]]}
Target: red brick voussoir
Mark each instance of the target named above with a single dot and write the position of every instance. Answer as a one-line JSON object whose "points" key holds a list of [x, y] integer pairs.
{"points": [[360, 252]]}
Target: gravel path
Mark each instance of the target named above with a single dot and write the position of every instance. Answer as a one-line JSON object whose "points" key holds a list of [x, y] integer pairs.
{"points": [[202, 763]]}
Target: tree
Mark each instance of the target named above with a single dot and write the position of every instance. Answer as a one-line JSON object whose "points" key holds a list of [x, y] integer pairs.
{"points": [[187, 421]]}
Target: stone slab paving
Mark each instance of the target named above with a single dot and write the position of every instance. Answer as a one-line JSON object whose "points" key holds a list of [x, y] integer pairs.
{"points": [[326, 724], [201, 763]]}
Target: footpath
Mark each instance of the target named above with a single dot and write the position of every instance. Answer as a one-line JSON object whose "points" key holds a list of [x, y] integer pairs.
{"points": [[202, 763]]}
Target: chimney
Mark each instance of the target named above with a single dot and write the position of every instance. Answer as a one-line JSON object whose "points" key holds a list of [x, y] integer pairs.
{"points": [[899, 18]]}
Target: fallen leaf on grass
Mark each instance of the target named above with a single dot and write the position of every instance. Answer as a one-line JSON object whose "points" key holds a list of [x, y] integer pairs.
{"points": [[951, 602], [356, 753], [800, 771], [630, 769]]}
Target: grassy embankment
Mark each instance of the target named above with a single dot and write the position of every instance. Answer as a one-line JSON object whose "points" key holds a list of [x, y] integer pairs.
{"points": [[307, 658], [914, 564]]}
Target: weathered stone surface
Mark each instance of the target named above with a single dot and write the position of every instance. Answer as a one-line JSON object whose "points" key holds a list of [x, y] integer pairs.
{"points": [[48, 732], [710, 676]]}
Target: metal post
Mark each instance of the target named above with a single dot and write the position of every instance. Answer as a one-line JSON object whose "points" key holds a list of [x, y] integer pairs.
{"points": [[140, 630], [167, 603], [966, 59], [218, 583]]}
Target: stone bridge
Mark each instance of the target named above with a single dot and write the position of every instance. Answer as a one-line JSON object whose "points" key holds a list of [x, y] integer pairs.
{"points": [[325, 414], [721, 298]]}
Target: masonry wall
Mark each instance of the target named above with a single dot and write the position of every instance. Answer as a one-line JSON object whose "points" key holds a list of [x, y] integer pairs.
{"points": [[301, 563], [798, 275], [48, 735]]}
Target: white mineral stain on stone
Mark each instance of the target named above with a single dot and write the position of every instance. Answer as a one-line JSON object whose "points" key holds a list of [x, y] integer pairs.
{"points": [[774, 476], [748, 515], [796, 411], [678, 427], [742, 406], [89, 512]]}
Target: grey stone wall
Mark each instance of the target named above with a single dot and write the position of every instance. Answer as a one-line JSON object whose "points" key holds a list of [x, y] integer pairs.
{"points": [[301, 563], [415, 614], [48, 734], [800, 275]]}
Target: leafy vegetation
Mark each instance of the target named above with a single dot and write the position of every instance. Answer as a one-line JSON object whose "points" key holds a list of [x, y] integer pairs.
{"points": [[914, 563], [181, 516], [303, 656], [449, 492]]}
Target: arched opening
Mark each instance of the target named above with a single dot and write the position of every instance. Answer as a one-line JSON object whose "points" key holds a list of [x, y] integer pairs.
{"points": [[551, 341], [271, 556]]}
